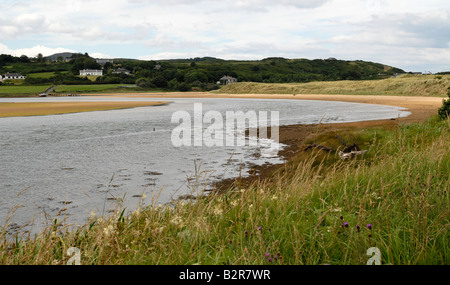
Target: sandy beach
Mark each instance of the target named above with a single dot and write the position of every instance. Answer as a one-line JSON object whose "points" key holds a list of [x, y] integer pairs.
{"points": [[420, 107], [55, 108]]}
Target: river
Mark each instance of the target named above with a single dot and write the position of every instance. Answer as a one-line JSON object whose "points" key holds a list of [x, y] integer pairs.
{"points": [[86, 162]]}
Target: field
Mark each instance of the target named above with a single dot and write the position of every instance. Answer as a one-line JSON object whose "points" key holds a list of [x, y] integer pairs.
{"points": [[44, 74], [405, 85], [86, 88], [8, 91]]}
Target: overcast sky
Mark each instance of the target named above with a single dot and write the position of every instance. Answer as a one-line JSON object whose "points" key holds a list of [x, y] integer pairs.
{"points": [[410, 34]]}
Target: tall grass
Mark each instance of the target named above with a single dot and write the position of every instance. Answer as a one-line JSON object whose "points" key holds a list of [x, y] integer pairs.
{"points": [[406, 85], [315, 210]]}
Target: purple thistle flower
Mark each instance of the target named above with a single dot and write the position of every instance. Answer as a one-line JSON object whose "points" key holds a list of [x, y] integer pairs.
{"points": [[259, 228], [267, 255], [270, 259], [369, 226], [346, 224], [357, 227]]}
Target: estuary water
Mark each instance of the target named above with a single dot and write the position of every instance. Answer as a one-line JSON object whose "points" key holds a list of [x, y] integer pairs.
{"points": [[85, 163]]}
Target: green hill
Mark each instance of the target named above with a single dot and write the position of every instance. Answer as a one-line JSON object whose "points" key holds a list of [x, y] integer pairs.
{"points": [[190, 74]]}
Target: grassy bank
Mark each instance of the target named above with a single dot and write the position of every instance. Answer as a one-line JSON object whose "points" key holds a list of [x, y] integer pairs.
{"points": [[406, 85], [22, 91], [34, 90], [101, 88], [318, 209]]}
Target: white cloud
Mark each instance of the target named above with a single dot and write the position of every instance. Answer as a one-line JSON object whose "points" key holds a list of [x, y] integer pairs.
{"points": [[33, 51], [400, 32]]}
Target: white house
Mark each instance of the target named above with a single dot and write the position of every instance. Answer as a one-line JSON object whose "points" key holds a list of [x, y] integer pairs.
{"points": [[87, 72], [12, 76], [120, 71], [227, 80]]}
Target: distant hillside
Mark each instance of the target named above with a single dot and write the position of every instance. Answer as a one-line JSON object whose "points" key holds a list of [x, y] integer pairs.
{"points": [[63, 55], [190, 74], [279, 70]]}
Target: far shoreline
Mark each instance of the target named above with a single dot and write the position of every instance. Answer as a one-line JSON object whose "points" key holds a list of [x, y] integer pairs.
{"points": [[420, 107]]}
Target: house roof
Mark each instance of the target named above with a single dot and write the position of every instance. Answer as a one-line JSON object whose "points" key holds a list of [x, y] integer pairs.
{"points": [[12, 74], [226, 77]]}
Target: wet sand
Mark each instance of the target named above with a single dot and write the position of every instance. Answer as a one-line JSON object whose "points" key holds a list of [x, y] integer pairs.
{"points": [[55, 108]]}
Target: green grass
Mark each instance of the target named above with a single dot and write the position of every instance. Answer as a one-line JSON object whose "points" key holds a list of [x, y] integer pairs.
{"points": [[405, 85], [297, 216], [44, 74], [6, 91], [86, 88], [103, 88]]}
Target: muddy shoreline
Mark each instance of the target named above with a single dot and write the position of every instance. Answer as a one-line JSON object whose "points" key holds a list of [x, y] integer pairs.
{"points": [[295, 137]]}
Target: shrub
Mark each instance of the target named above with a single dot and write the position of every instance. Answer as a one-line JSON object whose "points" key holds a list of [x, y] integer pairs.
{"points": [[444, 111]]}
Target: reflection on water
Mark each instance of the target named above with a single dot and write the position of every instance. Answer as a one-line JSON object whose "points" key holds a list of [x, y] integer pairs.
{"points": [[86, 162]]}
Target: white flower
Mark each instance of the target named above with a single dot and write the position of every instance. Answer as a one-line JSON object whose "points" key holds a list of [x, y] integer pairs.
{"points": [[177, 221], [109, 230], [218, 211]]}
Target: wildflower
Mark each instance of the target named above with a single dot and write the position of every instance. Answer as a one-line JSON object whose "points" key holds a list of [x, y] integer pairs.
{"points": [[369, 226], [158, 230], [346, 224], [267, 255], [218, 211], [246, 233], [341, 217], [358, 228], [259, 228], [269, 259], [177, 221], [109, 230]]}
